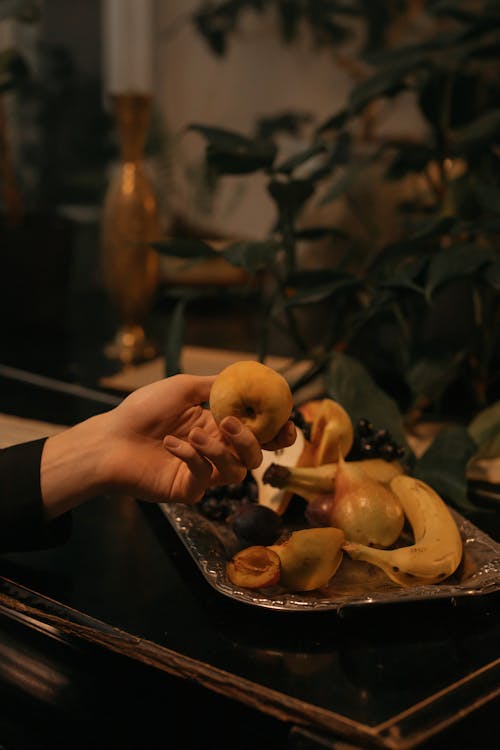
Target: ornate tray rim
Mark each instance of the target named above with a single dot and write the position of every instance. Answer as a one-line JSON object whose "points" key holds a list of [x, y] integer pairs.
{"points": [[207, 544]]}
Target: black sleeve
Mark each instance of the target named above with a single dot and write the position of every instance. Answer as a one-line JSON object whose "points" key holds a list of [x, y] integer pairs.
{"points": [[23, 525]]}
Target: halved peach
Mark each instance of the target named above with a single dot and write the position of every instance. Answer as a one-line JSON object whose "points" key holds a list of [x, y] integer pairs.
{"points": [[254, 567]]}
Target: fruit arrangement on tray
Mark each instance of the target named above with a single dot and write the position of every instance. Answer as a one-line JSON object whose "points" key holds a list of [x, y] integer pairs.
{"points": [[355, 496]]}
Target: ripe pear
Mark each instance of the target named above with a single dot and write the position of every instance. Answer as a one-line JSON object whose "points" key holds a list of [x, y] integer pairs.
{"points": [[366, 510], [437, 549], [309, 558]]}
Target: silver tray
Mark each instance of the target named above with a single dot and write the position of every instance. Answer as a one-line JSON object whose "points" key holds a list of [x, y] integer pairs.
{"points": [[211, 544]]}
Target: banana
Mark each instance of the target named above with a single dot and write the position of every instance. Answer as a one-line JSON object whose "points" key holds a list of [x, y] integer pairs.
{"points": [[306, 481], [437, 549], [311, 481]]}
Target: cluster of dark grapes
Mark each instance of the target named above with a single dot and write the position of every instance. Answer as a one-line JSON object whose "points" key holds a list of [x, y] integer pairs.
{"points": [[237, 505], [299, 420], [374, 443], [219, 503]]}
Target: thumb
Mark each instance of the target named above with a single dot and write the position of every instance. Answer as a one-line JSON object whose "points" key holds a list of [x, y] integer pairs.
{"points": [[198, 387]]}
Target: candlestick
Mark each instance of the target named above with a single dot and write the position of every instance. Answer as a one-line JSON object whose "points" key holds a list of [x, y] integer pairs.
{"points": [[128, 45], [130, 223]]}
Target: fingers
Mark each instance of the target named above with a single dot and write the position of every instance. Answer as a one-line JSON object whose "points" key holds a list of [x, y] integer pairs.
{"points": [[198, 465], [224, 458], [196, 388], [229, 467], [243, 442], [285, 437]]}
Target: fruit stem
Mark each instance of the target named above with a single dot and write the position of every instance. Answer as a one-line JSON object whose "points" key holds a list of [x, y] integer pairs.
{"points": [[276, 475]]}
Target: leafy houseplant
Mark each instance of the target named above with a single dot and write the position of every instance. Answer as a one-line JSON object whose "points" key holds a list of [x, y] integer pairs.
{"points": [[434, 286], [446, 238]]}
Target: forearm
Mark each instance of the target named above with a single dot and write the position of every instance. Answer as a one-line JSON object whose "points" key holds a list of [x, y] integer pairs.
{"points": [[72, 466]]}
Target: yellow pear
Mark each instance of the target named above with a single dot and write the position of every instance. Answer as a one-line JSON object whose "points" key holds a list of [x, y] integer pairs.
{"points": [[309, 558]]}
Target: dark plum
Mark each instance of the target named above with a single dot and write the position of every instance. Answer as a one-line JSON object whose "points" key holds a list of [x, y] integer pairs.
{"points": [[318, 511], [300, 421], [256, 524]]}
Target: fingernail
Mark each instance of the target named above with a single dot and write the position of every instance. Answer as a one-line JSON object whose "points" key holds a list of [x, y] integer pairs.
{"points": [[169, 441], [231, 425]]}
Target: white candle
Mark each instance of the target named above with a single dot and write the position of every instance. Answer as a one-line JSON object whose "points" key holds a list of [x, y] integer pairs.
{"points": [[127, 39]]}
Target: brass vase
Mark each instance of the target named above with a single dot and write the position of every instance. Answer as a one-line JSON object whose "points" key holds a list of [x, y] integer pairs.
{"points": [[130, 223]]}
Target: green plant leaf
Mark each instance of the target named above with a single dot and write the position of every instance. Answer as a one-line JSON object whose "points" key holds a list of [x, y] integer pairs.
{"points": [[348, 179], [350, 383], [319, 233], [290, 196], [384, 83], [432, 375], [432, 228], [336, 122], [240, 163], [252, 255], [310, 277], [456, 262], [289, 165], [290, 18], [321, 291], [286, 122], [231, 153], [482, 132], [403, 276], [444, 465], [401, 283], [410, 157], [485, 431], [412, 55], [214, 24], [186, 247]]}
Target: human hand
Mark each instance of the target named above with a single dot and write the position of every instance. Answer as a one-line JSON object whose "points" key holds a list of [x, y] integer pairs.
{"points": [[164, 445], [160, 444]]}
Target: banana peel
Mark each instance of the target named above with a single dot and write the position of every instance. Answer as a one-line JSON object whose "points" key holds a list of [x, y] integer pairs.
{"points": [[437, 549], [277, 498], [331, 430]]}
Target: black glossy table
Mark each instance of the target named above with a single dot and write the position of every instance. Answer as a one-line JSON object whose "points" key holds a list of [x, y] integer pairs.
{"points": [[116, 639]]}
